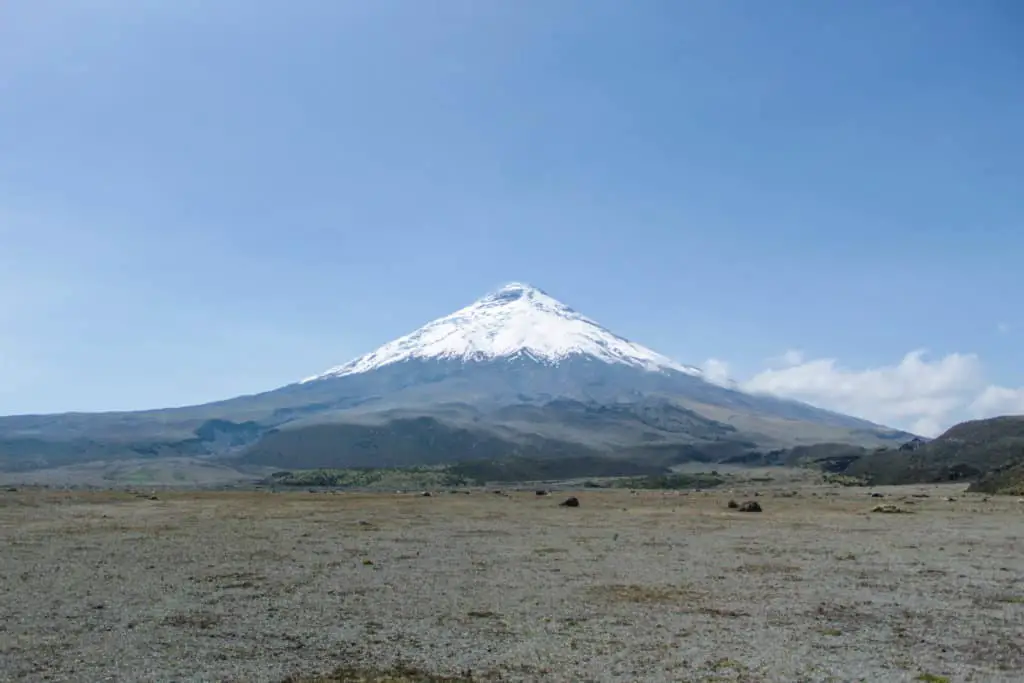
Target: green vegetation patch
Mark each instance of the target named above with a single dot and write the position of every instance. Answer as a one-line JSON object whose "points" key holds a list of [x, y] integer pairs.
{"points": [[426, 476], [616, 473], [496, 470], [845, 480], [931, 678], [671, 481]]}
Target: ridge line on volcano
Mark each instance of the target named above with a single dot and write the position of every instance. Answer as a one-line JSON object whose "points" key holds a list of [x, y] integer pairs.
{"points": [[513, 321]]}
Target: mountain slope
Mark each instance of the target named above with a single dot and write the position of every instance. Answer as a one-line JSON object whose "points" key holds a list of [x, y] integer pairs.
{"points": [[516, 371]]}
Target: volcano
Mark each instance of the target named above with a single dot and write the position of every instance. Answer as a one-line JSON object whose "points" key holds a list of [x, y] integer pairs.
{"points": [[515, 373]]}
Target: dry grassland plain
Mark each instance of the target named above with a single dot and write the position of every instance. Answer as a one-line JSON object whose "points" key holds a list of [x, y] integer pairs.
{"points": [[645, 586]]}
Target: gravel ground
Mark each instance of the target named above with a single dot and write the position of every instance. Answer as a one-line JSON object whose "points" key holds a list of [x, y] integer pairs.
{"points": [[652, 586]]}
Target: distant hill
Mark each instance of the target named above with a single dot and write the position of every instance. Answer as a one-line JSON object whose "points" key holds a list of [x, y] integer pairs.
{"points": [[988, 453]]}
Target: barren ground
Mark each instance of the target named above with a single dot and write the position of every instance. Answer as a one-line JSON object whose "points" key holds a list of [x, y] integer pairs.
{"points": [[648, 587]]}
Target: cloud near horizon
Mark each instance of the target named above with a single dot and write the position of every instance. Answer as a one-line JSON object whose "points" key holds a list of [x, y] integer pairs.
{"points": [[917, 394]]}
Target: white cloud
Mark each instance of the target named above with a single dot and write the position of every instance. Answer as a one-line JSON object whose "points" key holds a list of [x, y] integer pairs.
{"points": [[918, 394], [716, 371], [1003, 328], [995, 400]]}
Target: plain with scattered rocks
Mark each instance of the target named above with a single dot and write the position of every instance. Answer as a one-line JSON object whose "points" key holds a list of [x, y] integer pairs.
{"points": [[656, 586]]}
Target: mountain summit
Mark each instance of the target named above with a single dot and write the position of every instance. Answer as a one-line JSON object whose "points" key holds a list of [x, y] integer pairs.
{"points": [[516, 321]]}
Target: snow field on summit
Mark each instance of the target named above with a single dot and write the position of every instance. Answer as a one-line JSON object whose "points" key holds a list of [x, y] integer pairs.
{"points": [[516, 320]]}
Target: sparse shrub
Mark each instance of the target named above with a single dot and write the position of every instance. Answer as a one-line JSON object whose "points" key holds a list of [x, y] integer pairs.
{"points": [[723, 612], [482, 614], [726, 663], [890, 509], [399, 674], [673, 482], [845, 480], [643, 594], [198, 620]]}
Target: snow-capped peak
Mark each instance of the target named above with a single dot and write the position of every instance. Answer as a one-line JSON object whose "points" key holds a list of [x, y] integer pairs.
{"points": [[516, 320]]}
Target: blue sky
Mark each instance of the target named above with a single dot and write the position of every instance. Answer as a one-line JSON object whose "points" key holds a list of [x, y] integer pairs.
{"points": [[203, 199]]}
